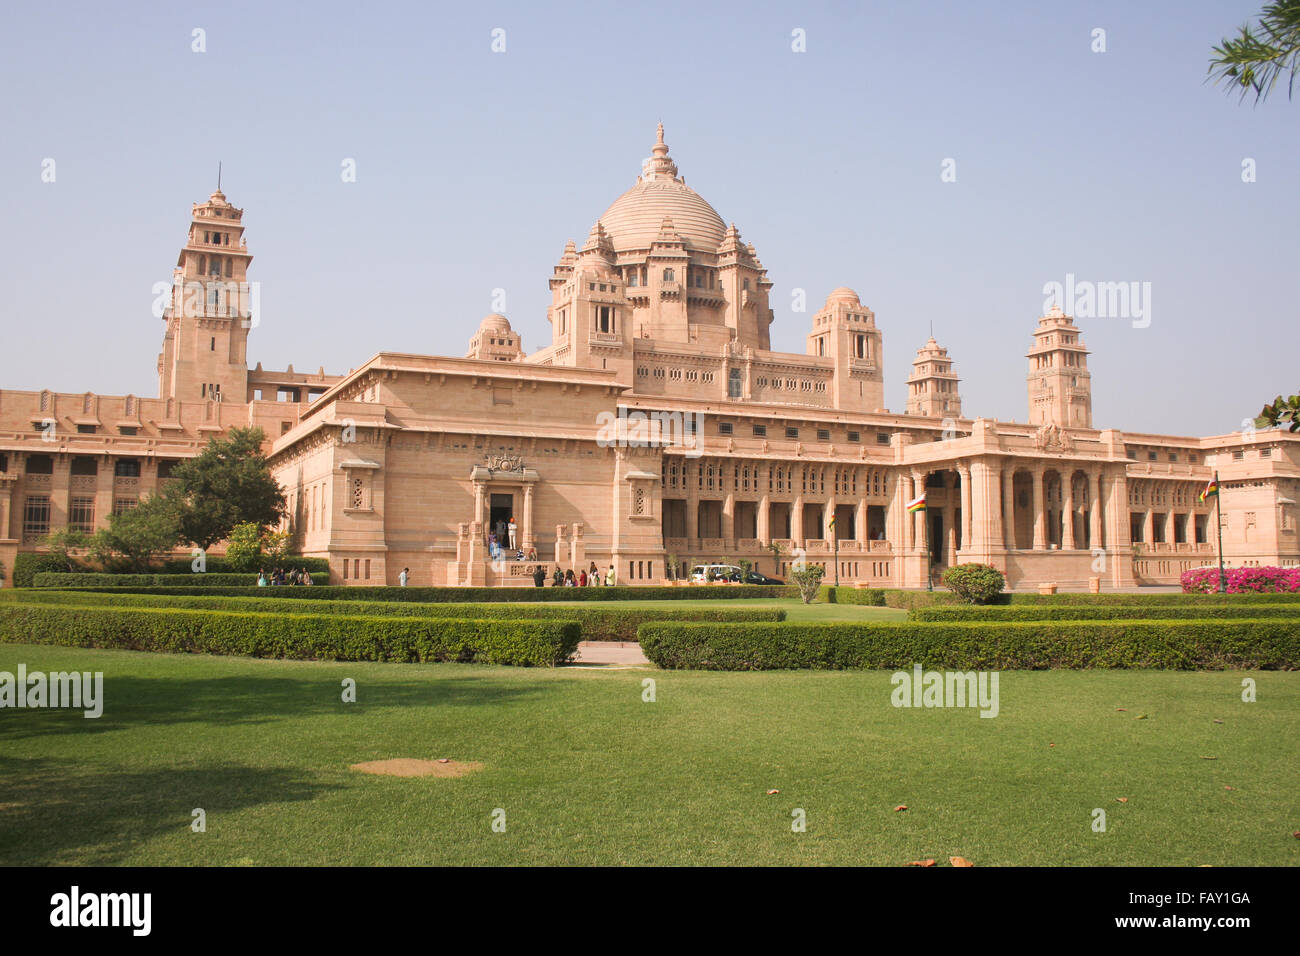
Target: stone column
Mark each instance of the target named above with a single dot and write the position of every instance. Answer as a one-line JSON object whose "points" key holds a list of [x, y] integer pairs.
{"points": [[764, 520], [796, 522], [479, 495], [966, 498], [1067, 522], [919, 535], [1094, 514], [527, 529], [1149, 528], [728, 528], [1040, 511], [1170, 536], [692, 519], [1009, 503]]}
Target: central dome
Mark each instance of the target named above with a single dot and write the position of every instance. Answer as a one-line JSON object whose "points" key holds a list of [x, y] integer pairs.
{"points": [[636, 217]]}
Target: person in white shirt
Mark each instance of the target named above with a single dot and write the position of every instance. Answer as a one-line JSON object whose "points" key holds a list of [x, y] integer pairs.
{"points": [[403, 576], [512, 529]]}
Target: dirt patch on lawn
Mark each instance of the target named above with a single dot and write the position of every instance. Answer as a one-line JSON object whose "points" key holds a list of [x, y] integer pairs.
{"points": [[410, 767]]}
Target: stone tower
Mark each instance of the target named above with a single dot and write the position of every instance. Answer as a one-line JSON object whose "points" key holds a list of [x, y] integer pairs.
{"points": [[932, 387], [1060, 386], [845, 330], [204, 351]]}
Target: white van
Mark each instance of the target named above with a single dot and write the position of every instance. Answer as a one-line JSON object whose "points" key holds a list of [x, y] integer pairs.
{"points": [[720, 573]]}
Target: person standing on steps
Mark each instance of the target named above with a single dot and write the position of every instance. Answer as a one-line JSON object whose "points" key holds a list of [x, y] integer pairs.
{"points": [[512, 531]]}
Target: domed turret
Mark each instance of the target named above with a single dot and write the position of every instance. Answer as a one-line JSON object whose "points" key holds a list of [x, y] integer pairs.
{"points": [[495, 340], [932, 387]]}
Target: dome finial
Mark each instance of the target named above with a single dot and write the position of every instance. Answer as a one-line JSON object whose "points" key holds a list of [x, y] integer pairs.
{"points": [[658, 165]]}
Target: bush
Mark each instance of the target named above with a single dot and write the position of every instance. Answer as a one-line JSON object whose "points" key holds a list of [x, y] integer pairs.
{"points": [[1266, 580], [1176, 645], [87, 579], [808, 580], [598, 623], [974, 583], [907, 600], [187, 584], [219, 564], [1113, 612], [331, 637]]}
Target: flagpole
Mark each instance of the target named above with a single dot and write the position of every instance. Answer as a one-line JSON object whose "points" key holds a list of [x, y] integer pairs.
{"points": [[1218, 527]]}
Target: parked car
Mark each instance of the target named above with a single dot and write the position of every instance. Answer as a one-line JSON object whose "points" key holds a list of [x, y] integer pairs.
{"points": [[728, 574]]}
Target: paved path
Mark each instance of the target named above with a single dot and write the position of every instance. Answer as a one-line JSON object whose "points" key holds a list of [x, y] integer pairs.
{"points": [[610, 653]]}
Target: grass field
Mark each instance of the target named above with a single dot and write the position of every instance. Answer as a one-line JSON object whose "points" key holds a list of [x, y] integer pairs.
{"points": [[588, 773]]}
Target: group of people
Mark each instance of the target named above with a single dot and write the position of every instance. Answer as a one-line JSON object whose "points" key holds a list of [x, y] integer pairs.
{"points": [[505, 535], [279, 576], [591, 578]]}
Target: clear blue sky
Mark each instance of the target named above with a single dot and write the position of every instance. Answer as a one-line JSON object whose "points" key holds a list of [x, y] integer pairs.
{"points": [[473, 168]]}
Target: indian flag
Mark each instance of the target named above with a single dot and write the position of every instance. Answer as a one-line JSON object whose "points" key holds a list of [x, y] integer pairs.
{"points": [[831, 526], [915, 505], [1211, 490]]}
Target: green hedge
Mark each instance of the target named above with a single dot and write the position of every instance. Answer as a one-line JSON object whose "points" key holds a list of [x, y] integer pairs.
{"points": [[297, 636], [1181, 645], [97, 579], [598, 623], [219, 564], [445, 595], [28, 564], [830, 594], [909, 600], [1109, 612]]}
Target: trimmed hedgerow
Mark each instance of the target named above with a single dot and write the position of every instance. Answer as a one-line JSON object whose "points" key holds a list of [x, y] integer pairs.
{"points": [[98, 579], [453, 595], [598, 623], [1109, 612], [219, 564], [28, 564], [331, 637], [1174, 645], [909, 600]]}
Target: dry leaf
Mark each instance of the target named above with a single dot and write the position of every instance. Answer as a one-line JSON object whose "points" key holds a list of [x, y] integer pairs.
{"points": [[901, 806], [960, 861], [921, 863], [1296, 834], [1226, 787], [444, 760], [1209, 758], [1051, 745], [1140, 717], [770, 792], [1217, 720], [1122, 799], [1122, 710]]}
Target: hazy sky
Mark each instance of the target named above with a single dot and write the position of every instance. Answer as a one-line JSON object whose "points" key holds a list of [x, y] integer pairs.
{"points": [[474, 167]]}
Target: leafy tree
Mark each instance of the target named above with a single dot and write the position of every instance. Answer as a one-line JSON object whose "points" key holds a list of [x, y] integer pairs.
{"points": [[139, 533], [62, 543], [1259, 55], [244, 547], [809, 579], [226, 484], [776, 549], [1281, 411]]}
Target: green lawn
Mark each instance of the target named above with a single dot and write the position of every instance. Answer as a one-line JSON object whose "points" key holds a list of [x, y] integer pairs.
{"points": [[795, 609], [588, 773]]}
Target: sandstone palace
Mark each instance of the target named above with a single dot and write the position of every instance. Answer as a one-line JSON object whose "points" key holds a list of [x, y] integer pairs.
{"points": [[656, 427]]}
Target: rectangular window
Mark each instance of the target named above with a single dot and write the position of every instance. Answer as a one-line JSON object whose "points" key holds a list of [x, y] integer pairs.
{"points": [[126, 468], [1132, 455], [724, 428], [121, 505], [36, 516], [855, 436], [823, 434], [792, 433], [1152, 456], [1266, 453], [882, 438], [760, 431], [1238, 455], [127, 430], [86, 429], [81, 513]]}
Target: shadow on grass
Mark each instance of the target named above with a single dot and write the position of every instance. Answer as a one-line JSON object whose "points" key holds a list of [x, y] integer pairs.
{"points": [[53, 812], [137, 701]]}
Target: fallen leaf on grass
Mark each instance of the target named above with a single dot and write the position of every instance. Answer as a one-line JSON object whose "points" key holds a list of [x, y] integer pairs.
{"points": [[1209, 758], [1217, 720], [1296, 834], [960, 861], [1226, 787], [921, 863], [901, 806], [1122, 799], [1122, 710], [770, 792], [1140, 717], [444, 760]]}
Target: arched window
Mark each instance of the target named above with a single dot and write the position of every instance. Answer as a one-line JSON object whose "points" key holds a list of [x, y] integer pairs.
{"points": [[669, 275]]}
